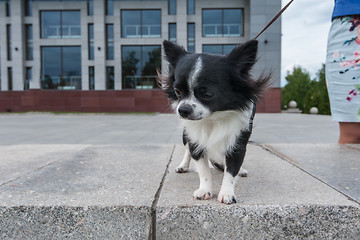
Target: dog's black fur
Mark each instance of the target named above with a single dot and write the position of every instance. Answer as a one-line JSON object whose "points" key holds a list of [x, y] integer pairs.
{"points": [[216, 96]]}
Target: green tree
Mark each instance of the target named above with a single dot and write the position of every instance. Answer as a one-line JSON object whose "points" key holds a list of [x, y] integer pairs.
{"points": [[297, 88], [318, 96]]}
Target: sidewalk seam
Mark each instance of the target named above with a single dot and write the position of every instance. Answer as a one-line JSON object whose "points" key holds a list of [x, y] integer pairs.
{"points": [[292, 162], [152, 231]]}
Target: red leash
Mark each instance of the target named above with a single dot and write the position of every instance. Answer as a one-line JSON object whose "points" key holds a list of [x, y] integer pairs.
{"points": [[274, 19]]}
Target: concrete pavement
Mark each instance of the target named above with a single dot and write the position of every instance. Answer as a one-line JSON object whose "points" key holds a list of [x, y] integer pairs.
{"points": [[47, 128], [90, 176]]}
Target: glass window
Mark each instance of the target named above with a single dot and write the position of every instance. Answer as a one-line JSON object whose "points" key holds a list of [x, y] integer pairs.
{"points": [[221, 49], [91, 78], [172, 7], [91, 41], [8, 40], [29, 42], [190, 7], [70, 24], [232, 22], [109, 41], [50, 24], [222, 22], [28, 8], [28, 77], [140, 23], [228, 48], [109, 8], [60, 24], [172, 32], [212, 22], [139, 64], [8, 8], [212, 49], [10, 79], [61, 67], [191, 37], [110, 83], [90, 7]]}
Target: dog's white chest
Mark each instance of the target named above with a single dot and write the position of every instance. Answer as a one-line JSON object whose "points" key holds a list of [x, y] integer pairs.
{"points": [[218, 133]]}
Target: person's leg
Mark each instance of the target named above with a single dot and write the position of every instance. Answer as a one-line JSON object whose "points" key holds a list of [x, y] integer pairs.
{"points": [[349, 132]]}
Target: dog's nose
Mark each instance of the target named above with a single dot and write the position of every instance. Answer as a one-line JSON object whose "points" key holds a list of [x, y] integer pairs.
{"points": [[185, 110]]}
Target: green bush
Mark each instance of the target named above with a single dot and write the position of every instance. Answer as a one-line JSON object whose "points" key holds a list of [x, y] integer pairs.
{"points": [[306, 92]]}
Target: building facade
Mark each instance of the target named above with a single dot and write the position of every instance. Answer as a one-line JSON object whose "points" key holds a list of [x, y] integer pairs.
{"points": [[90, 50]]}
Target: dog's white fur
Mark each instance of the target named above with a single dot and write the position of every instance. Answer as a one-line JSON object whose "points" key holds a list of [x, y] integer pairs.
{"points": [[217, 134]]}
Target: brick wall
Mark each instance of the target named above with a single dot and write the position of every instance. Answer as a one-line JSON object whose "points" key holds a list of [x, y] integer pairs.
{"points": [[104, 101]]}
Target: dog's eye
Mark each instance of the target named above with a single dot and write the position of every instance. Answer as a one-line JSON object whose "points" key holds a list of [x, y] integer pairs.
{"points": [[177, 92], [206, 95]]}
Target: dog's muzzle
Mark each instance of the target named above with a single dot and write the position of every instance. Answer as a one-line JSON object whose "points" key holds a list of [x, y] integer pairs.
{"points": [[185, 110]]}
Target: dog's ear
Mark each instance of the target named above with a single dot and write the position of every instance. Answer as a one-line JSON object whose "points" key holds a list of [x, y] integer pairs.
{"points": [[173, 52], [244, 56]]}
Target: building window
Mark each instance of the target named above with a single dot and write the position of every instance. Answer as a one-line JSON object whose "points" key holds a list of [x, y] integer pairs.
{"points": [[109, 7], [172, 7], [109, 41], [10, 79], [140, 23], [221, 49], [28, 78], [172, 32], [90, 7], [110, 76], [91, 41], [8, 8], [190, 7], [28, 8], [139, 64], [222, 22], [61, 68], [29, 42], [60, 24], [191, 37], [8, 42], [91, 78]]}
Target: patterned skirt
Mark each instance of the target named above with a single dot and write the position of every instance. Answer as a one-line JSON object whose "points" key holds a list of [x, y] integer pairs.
{"points": [[343, 69]]}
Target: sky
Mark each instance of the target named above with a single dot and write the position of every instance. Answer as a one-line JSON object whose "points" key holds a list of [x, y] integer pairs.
{"points": [[305, 28]]}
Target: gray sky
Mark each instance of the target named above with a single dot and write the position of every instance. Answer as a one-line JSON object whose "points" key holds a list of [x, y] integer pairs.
{"points": [[305, 28]]}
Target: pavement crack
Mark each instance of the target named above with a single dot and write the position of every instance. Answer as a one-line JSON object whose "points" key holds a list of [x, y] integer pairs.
{"points": [[152, 232]]}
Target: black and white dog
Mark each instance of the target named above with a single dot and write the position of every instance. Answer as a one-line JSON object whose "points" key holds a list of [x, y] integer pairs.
{"points": [[215, 97]]}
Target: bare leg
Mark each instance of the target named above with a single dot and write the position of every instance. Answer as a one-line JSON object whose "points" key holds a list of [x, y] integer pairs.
{"points": [[349, 132]]}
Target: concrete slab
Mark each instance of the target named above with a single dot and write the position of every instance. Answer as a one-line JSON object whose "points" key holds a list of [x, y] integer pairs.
{"points": [[294, 128], [19, 160], [335, 164], [276, 200], [48, 128], [101, 192]]}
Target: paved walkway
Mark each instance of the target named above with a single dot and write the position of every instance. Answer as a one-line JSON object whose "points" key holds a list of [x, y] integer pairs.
{"points": [[45, 128], [91, 176]]}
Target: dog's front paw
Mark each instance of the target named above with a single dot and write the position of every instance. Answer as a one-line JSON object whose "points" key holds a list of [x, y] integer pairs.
{"points": [[181, 169], [243, 172], [202, 194], [226, 198]]}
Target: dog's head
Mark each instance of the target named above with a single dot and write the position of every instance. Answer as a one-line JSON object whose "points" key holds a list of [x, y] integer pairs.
{"points": [[201, 84]]}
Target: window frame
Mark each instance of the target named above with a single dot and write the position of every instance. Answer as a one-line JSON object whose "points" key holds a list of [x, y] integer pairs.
{"points": [[242, 10], [141, 22], [141, 61], [61, 67], [61, 23]]}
